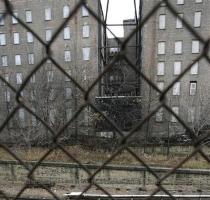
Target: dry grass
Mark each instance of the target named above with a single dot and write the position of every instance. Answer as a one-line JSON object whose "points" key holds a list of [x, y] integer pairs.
{"points": [[99, 156]]}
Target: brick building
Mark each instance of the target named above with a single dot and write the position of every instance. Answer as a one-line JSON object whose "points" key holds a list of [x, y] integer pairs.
{"points": [[76, 49], [168, 48]]}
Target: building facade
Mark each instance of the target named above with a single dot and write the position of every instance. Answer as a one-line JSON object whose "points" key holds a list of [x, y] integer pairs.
{"points": [[168, 49], [51, 94]]}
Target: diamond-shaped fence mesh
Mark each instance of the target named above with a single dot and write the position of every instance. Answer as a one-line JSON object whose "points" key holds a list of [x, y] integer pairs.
{"points": [[21, 103]]}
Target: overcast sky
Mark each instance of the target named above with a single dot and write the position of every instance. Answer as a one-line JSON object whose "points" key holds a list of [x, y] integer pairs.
{"points": [[118, 11]]}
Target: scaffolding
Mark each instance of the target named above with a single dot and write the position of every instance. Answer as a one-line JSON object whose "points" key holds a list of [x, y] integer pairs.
{"points": [[116, 82], [120, 92]]}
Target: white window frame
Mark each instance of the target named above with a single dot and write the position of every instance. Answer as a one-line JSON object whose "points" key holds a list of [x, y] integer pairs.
{"points": [[48, 14], [6, 77], [50, 75], [176, 89], [30, 37], [69, 73], [3, 39], [66, 33], [160, 68], [161, 48], [86, 53], [66, 11], [198, 1], [21, 116], [85, 31], [67, 56], [31, 59], [48, 34], [2, 22], [194, 69], [179, 23], [177, 67], [195, 46], [19, 78], [85, 12], [178, 46], [197, 19], [162, 21], [18, 60], [193, 88], [16, 38], [7, 96], [33, 78], [180, 2], [175, 109], [14, 20], [160, 85], [28, 16], [4, 61]]}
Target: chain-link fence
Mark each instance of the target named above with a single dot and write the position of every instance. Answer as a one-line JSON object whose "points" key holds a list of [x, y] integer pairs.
{"points": [[124, 141]]}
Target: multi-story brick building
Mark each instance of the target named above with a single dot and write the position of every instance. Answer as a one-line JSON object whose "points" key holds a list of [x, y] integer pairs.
{"points": [[168, 48], [76, 49]]}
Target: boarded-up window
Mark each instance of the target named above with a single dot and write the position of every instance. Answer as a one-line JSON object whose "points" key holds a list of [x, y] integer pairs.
{"points": [[28, 16], [48, 14], [194, 68], [19, 78], [48, 34], [2, 39], [67, 56], [161, 48], [176, 88], [195, 46], [30, 58], [66, 33], [86, 31], [4, 61], [17, 60], [86, 53], [160, 68], [197, 19], [66, 11], [162, 21], [30, 37], [14, 20], [177, 67], [179, 22], [16, 37], [178, 47], [176, 111]]}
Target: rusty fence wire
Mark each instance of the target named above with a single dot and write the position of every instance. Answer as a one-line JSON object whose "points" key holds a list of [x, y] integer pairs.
{"points": [[124, 139]]}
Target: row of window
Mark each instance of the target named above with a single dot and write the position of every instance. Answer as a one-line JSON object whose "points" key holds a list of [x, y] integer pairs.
{"points": [[48, 35], [179, 24], [50, 76], [51, 95], [52, 114], [178, 47], [190, 115], [47, 15], [177, 87], [31, 59], [177, 68], [181, 2]]}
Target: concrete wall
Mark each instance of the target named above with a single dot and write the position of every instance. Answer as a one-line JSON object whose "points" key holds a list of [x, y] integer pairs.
{"points": [[63, 173]]}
